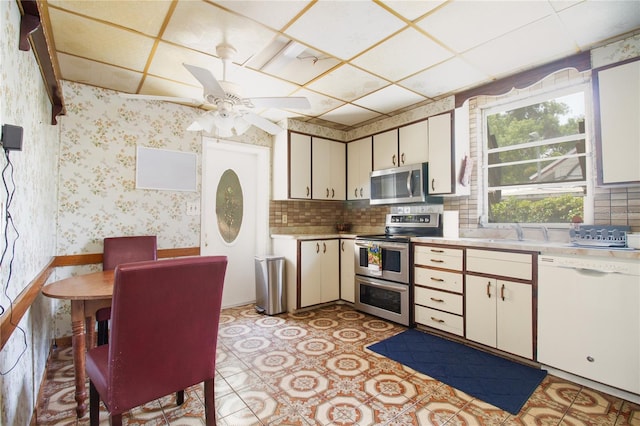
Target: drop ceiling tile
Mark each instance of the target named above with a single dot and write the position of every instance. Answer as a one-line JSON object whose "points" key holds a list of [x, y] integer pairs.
{"points": [[406, 53], [320, 103], [449, 76], [79, 36], [98, 74], [412, 9], [161, 87], [344, 28], [537, 43], [462, 25], [389, 99], [168, 63], [591, 22], [348, 83], [257, 84], [276, 15], [300, 67], [145, 17], [202, 26], [349, 115]]}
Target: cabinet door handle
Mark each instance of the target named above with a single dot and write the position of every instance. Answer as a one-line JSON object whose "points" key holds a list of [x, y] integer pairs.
{"points": [[433, 184], [327, 192], [502, 292], [355, 193], [402, 158], [393, 159], [342, 246], [489, 289], [360, 192], [437, 260], [333, 193], [437, 320], [307, 191], [436, 300], [324, 248], [437, 251], [317, 247], [437, 279]]}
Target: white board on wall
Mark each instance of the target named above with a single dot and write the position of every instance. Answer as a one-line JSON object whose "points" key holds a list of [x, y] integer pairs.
{"points": [[165, 169]]}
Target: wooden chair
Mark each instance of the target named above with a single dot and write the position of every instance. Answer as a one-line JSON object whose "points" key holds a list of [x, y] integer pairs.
{"points": [[164, 332], [119, 250]]}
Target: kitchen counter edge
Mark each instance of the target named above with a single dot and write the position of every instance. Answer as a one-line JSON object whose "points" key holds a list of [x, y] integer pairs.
{"points": [[560, 249]]}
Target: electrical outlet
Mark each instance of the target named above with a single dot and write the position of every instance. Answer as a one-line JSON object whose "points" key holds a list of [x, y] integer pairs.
{"points": [[193, 208], [284, 218]]}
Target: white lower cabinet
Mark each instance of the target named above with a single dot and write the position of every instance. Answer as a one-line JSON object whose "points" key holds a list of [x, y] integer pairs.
{"points": [[499, 314], [347, 270], [438, 288], [319, 272]]}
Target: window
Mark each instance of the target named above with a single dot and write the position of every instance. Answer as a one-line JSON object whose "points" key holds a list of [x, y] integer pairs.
{"points": [[536, 159]]}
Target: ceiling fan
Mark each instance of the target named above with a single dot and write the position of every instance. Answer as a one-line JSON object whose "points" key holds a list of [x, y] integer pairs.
{"points": [[232, 115]]}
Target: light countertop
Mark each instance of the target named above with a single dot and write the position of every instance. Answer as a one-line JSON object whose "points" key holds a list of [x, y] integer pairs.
{"points": [[546, 248]]}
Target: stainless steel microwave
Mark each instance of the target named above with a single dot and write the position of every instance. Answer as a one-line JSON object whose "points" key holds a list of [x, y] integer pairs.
{"points": [[404, 184]]}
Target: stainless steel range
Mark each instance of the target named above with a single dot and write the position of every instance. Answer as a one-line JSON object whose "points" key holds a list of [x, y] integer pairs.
{"points": [[383, 274]]}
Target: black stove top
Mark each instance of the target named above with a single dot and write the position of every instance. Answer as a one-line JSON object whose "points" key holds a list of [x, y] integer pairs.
{"points": [[403, 227]]}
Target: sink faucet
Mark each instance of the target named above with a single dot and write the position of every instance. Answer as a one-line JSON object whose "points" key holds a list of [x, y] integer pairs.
{"points": [[519, 232]]}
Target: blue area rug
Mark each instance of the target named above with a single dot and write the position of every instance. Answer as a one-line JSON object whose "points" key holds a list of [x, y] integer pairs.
{"points": [[498, 381]]}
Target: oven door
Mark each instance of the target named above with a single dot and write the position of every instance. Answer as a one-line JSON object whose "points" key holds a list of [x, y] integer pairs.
{"points": [[384, 299], [394, 256]]}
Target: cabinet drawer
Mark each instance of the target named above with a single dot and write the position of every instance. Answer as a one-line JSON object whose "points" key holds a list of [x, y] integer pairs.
{"points": [[439, 300], [438, 257], [440, 320], [513, 265], [450, 281]]}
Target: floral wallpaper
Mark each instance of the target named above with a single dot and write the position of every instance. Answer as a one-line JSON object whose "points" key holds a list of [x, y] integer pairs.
{"points": [[24, 102], [97, 194]]}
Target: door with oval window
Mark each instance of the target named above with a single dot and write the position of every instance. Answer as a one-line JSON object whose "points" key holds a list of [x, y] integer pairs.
{"points": [[235, 212]]}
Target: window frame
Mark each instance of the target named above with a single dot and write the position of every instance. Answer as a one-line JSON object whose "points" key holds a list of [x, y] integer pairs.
{"points": [[514, 102]]}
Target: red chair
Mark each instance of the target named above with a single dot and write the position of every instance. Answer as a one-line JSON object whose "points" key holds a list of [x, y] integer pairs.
{"points": [[119, 250], [164, 332]]}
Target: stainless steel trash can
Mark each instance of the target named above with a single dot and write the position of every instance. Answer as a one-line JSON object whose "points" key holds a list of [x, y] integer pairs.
{"points": [[271, 297]]}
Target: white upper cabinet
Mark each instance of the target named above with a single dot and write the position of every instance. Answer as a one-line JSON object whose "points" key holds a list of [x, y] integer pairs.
{"points": [[413, 143], [291, 166], [617, 95], [385, 150], [328, 169], [401, 147], [358, 169], [440, 155]]}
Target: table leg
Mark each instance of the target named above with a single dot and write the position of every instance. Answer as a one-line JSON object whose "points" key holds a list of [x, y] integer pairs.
{"points": [[79, 348]]}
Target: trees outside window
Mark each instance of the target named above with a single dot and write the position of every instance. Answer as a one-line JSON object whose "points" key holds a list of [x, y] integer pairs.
{"points": [[535, 160]]}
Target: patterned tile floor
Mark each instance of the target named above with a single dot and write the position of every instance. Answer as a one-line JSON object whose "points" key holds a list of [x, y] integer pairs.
{"points": [[312, 368]]}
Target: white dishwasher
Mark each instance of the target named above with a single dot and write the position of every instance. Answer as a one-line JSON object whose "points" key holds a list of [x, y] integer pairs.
{"points": [[589, 318]]}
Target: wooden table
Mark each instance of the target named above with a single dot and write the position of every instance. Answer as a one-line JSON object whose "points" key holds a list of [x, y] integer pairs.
{"points": [[87, 293]]}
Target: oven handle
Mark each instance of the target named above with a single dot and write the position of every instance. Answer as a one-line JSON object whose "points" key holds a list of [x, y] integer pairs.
{"points": [[383, 245], [400, 288]]}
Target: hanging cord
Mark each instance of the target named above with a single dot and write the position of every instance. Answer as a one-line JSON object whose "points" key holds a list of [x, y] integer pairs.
{"points": [[8, 220]]}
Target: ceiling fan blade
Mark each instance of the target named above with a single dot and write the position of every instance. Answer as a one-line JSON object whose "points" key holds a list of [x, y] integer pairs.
{"points": [[189, 101], [281, 102], [206, 78], [262, 123]]}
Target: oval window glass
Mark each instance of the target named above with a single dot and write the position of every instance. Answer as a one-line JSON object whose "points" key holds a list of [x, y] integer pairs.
{"points": [[229, 206]]}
